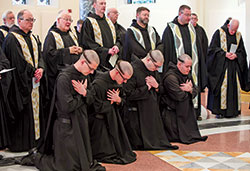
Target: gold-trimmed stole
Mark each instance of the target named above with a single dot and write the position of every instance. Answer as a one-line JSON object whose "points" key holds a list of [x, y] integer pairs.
{"points": [[179, 47], [223, 44], [59, 41], [4, 32], [98, 35], [139, 37], [35, 91]]}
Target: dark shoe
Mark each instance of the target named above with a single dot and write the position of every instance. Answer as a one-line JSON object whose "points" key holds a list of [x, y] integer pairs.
{"points": [[219, 116], [29, 159], [1, 157], [95, 166], [199, 118]]}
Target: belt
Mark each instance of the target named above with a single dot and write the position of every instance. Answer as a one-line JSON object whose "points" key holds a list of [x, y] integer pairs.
{"points": [[132, 109], [64, 120]]}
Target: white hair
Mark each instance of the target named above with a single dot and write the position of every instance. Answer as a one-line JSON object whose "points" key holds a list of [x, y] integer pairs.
{"points": [[5, 14]]}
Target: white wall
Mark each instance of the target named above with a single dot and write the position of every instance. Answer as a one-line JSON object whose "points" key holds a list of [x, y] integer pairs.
{"points": [[45, 15]]}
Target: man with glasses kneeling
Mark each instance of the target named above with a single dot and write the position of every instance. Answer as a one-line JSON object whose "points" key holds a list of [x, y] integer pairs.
{"points": [[141, 117], [109, 140]]}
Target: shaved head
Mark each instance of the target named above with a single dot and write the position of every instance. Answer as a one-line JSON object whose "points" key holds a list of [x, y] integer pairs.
{"points": [[157, 55], [233, 26], [125, 67], [91, 56]]}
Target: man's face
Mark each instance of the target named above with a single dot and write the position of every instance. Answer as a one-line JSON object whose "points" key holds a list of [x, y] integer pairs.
{"points": [[64, 22], [143, 17], [233, 29], [185, 16], [185, 67], [122, 77], [100, 6], [9, 21], [26, 22], [194, 20], [113, 15]]}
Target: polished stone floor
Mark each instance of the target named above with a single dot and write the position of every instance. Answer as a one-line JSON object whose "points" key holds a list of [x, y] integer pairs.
{"points": [[227, 148]]}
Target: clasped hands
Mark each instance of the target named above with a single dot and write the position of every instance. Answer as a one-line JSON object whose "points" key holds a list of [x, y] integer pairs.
{"points": [[80, 87], [230, 55], [114, 50], [38, 74], [113, 96], [75, 50], [188, 86], [151, 82]]}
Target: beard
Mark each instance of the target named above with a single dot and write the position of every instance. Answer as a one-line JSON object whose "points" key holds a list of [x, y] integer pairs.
{"points": [[144, 21]]}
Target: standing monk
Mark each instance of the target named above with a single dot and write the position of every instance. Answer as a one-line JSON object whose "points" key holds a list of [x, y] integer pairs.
{"points": [[28, 83], [227, 71]]}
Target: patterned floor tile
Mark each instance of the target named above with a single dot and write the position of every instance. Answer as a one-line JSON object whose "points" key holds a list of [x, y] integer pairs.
{"points": [[206, 161]]}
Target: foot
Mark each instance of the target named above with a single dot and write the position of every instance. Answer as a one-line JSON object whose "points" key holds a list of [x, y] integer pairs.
{"points": [[199, 118], [219, 116]]}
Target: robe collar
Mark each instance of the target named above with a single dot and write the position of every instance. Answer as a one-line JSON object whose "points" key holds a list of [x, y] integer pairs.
{"points": [[21, 32], [4, 27], [97, 17], [175, 21], [136, 25]]}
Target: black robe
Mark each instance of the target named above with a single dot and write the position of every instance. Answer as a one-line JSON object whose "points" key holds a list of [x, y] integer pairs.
{"points": [[19, 96], [132, 46], [4, 88], [141, 117], [2, 35], [121, 31], [87, 40], [67, 145], [109, 139], [217, 65], [177, 108], [55, 58], [170, 54], [200, 32]]}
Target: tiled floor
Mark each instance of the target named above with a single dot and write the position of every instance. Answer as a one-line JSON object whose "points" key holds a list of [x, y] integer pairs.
{"points": [[227, 148]]}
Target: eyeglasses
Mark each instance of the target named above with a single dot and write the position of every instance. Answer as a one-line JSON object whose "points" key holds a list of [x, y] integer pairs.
{"points": [[120, 71], [187, 15], [29, 19], [153, 60], [67, 20], [88, 62]]}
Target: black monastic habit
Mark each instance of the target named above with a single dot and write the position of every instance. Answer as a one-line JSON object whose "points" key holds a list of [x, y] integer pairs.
{"points": [[4, 89], [200, 32], [22, 129], [87, 40], [177, 108], [55, 58], [170, 54], [109, 139], [217, 65], [4, 27], [132, 46], [67, 143], [141, 117]]}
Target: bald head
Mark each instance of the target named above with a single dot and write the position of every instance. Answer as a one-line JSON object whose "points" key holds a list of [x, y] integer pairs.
{"points": [[157, 56], [183, 58], [125, 67], [91, 56], [233, 26]]}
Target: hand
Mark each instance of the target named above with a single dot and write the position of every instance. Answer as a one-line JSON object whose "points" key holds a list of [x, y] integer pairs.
{"points": [[79, 87], [113, 96], [38, 74], [115, 49], [152, 81], [73, 50], [79, 50], [230, 55], [149, 86], [188, 86]]}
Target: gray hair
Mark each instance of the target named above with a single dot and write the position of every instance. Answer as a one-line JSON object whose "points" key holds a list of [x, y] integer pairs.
{"points": [[5, 14], [183, 58]]}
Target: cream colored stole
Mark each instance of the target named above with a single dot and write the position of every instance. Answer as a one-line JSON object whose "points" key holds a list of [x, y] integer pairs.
{"points": [[59, 41], [35, 91], [98, 35], [223, 43], [179, 47], [4, 32], [139, 37]]}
